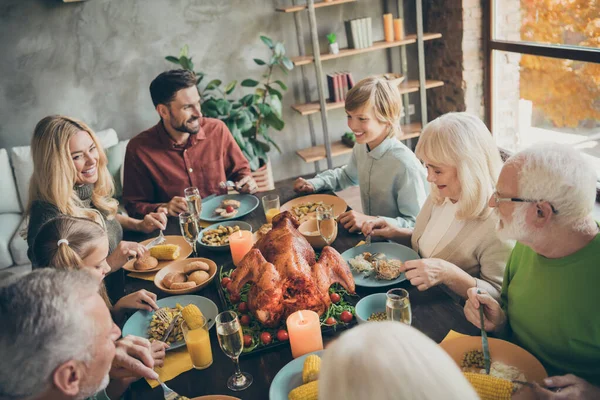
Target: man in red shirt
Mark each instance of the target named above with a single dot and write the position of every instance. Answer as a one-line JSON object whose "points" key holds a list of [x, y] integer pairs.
{"points": [[184, 149]]}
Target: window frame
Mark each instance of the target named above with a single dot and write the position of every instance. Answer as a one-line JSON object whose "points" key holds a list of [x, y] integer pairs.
{"points": [[577, 53]]}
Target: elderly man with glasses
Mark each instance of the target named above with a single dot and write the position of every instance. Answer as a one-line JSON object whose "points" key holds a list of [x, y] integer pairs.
{"points": [[544, 200]]}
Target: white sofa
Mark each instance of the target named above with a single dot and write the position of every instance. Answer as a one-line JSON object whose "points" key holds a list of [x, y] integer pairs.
{"points": [[15, 173]]}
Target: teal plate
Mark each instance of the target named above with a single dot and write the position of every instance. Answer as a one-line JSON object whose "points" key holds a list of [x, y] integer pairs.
{"points": [[247, 204], [243, 226], [289, 378], [393, 251], [139, 322]]}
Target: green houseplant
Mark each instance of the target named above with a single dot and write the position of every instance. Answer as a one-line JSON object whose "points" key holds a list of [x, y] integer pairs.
{"points": [[249, 117]]}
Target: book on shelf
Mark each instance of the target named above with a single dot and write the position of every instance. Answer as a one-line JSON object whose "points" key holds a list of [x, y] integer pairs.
{"points": [[338, 84], [359, 33]]}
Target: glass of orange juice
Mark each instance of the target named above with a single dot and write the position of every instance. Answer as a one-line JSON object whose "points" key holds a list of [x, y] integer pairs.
{"points": [[271, 206], [198, 344]]}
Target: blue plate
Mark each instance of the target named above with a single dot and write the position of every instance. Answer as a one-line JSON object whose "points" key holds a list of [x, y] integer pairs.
{"points": [[289, 378], [247, 204], [243, 226], [393, 251], [139, 322]]}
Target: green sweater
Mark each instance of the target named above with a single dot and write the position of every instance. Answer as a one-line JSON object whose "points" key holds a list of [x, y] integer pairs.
{"points": [[552, 308]]}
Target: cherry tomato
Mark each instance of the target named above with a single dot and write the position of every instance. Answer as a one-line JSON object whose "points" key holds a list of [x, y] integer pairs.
{"points": [[334, 297], [243, 307], [282, 335], [229, 209], [265, 337], [247, 340], [330, 321], [245, 320], [346, 316], [225, 281]]}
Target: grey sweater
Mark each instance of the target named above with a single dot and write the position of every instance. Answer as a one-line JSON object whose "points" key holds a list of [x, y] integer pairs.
{"points": [[41, 212]]}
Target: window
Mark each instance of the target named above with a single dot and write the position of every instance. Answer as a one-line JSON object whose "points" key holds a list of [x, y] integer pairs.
{"points": [[544, 58]]}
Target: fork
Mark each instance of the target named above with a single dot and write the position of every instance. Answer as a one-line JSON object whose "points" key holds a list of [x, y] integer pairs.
{"points": [[368, 240], [162, 315], [228, 184], [170, 394]]}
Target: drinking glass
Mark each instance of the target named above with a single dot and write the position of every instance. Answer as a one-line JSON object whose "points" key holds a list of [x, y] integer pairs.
{"points": [[197, 341], [189, 228], [397, 306], [231, 340], [326, 223], [271, 206], [193, 199]]}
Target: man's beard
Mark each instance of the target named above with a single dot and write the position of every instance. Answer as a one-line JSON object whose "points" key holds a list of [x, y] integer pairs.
{"points": [[183, 126], [86, 391], [517, 229]]}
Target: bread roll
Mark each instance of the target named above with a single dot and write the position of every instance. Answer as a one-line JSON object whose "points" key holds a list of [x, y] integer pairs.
{"points": [[173, 277], [199, 277], [183, 285], [196, 266], [145, 263]]}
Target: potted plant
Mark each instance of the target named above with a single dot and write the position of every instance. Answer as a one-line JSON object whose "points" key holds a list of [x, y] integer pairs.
{"points": [[249, 117], [334, 48]]}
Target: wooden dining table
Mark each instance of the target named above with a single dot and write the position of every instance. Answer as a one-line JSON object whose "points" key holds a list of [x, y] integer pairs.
{"points": [[434, 312]]}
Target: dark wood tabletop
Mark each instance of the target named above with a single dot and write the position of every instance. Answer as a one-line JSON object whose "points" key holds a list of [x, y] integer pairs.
{"points": [[434, 313]]}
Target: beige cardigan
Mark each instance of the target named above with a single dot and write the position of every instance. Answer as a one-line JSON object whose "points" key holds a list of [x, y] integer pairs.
{"points": [[476, 249]]}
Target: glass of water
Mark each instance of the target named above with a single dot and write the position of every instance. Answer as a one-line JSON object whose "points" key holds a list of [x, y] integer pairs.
{"points": [[397, 306]]}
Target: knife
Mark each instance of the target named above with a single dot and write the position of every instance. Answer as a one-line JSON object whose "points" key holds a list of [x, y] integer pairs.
{"points": [[484, 340], [156, 241], [170, 328]]}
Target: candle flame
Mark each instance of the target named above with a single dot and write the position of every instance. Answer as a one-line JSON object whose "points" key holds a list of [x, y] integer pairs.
{"points": [[240, 234], [301, 317]]}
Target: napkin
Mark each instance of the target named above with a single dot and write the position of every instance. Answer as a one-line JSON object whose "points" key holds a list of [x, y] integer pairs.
{"points": [[176, 362], [144, 276], [453, 335]]}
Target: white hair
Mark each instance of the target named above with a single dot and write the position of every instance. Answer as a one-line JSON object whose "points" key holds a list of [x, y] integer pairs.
{"points": [[43, 325], [390, 361], [462, 141], [559, 174]]}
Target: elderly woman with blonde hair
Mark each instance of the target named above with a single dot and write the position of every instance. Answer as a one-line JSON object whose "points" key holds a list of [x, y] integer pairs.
{"points": [[71, 177], [455, 231], [390, 361]]}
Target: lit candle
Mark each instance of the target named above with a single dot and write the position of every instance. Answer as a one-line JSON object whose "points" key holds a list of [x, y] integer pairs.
{"points": [[240, 243], [398, 29], [304, 330], [388, 27]]}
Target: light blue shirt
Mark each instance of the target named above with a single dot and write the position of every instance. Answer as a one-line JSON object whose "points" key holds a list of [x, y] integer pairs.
{"points": [[393, 183]]}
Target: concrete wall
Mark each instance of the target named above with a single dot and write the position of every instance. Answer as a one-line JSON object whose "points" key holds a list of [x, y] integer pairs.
{"points": [[94, 60]]}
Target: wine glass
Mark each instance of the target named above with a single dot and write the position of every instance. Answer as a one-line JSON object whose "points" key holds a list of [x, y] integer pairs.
{"points": [[231, 340], [326, 223], [189, 228], [397, 306], [194, 201]]}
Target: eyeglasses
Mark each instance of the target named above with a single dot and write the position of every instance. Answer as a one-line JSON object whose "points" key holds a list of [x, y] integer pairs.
{"points": [[498, 200]]}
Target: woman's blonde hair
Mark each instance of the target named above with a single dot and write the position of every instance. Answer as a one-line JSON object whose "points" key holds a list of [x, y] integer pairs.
{"points": [[80, 235], [384, 98], [54, 173], [462, 141], [390, 361]]}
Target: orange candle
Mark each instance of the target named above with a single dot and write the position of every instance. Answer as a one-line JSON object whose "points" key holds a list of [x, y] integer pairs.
{"points": [[240, 243], [388, 27], [398, 29], [304, 330]]}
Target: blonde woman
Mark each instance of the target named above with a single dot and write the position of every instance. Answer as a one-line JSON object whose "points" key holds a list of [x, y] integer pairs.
{"points": [[455, 231], [71, 178], [391, 179], [390, 361]]}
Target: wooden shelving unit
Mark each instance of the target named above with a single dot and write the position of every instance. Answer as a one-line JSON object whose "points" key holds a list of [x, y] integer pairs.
{"points": [[317, 5], [317, 153], [405, 87], [330, 149], [381, 45]]}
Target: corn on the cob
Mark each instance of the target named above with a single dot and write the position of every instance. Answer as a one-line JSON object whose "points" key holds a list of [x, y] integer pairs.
{"points": [[311, 368], [309, 391], [490, 387], [192, 316], [165, 252]]}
